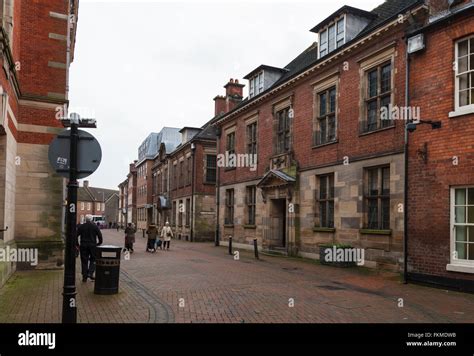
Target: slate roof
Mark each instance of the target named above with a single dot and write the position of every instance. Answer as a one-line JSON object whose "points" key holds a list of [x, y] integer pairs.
{"points": [[208, 132], [342, 10], [383, 13], [264, 67], [92, 194]]}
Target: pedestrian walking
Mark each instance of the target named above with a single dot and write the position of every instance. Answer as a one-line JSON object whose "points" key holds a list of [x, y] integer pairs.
{"points": [[152, 233], [129, 237], [166, 235], [90, 237]]}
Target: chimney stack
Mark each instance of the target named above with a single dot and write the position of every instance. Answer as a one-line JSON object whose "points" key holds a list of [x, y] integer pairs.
{"points": [[220, 105], [233, 96], [442, 6], [85, 184], [234, 89]]}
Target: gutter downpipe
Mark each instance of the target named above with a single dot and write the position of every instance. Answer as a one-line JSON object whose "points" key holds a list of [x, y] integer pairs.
{"points": [[217, 238], [405, 210], [193, 154]]}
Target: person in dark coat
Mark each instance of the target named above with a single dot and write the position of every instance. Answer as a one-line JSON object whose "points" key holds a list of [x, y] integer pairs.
{"points": [[129, 237], [90, 237], [152, 233]]}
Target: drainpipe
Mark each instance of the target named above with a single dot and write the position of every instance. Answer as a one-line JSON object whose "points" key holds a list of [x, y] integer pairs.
{"points": [[70, 24], [193, 159], [217, 238], [405, 210], [169, 191]]}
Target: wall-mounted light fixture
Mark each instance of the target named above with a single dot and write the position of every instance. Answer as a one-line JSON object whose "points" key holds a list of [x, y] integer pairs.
{"points": [[416, 43]]}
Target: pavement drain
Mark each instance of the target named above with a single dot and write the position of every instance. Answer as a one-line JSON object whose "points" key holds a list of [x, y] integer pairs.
{"points": [[160, 311]]}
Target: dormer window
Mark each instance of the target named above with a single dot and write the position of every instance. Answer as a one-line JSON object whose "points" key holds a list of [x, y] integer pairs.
{"points": [[256, 85], [332, 37], [262, 78], [341, 28]]}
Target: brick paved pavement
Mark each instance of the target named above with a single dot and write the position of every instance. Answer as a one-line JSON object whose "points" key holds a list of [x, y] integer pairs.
{"points": [[199, 283]]}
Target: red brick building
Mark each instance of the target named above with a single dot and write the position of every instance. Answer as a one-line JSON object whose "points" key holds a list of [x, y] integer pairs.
{"points": [[184, 175], [97, 201], [37, 48], [131, 202], [136, 201], [146, 152], [184, 184], [330, 168], [440, 204], [123, 197]]}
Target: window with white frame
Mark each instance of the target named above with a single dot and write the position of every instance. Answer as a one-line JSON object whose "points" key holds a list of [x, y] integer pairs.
{"points": [[98, 206], [256, 85], [465, 73], [462, 225], [88, 206], [82, 205], [332, 37]]}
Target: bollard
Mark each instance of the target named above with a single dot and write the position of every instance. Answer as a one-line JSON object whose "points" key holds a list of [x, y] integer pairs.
{"points": [[255, 246], [230, 245]]}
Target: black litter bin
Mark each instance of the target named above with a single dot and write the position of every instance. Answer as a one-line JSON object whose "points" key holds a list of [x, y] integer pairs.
{"points": [[107, 270]]}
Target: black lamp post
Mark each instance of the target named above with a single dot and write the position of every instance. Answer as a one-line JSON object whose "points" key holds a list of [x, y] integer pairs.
{"points": [[69, 315]]}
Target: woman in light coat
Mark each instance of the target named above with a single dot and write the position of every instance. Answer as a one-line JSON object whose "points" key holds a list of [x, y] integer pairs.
{"points": [[166, 235]]}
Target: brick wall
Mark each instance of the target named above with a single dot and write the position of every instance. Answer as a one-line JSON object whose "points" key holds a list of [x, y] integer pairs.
{"points": [[432, 88], [350, 143], [36, 74]]}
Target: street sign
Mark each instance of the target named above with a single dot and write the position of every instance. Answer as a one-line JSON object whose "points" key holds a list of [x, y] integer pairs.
{"points": [[89, 154]]}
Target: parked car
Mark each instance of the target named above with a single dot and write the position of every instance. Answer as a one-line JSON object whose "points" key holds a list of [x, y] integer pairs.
{"points": [[99, 220]]}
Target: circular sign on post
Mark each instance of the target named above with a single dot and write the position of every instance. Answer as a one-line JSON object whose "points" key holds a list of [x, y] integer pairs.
{"points": [[89, 154]]}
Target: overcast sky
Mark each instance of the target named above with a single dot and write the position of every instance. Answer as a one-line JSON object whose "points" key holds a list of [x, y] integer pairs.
{"points": [[140, 66]]}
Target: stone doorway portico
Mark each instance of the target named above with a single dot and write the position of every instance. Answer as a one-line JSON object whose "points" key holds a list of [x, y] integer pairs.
{"points": [[277, 213]]}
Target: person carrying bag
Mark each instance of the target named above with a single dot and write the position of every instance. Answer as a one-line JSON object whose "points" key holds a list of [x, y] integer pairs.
{"points": [[152, 233], [166, 235]]}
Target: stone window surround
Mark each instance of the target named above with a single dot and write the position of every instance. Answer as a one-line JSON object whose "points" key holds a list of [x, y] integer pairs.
{"points": [[228, 131], [278, 106], [249, 122], [251, 203], [366, 195], [318, 199], [367, 63], [331, 80], [205, 167]]}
